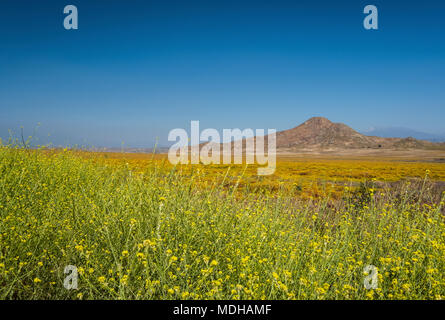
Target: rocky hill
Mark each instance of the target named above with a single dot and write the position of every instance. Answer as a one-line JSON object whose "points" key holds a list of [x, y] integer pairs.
{"points": [[319, 133]]}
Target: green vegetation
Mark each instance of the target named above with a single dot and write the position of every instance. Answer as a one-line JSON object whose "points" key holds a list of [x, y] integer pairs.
{"points": [[159, 234]]}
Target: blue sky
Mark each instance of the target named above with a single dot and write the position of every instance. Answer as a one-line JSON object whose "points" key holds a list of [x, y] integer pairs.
{"points": [[134, 70]]}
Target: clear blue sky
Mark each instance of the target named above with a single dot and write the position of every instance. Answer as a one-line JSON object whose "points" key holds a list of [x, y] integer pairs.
{"points": [[134, 70]]}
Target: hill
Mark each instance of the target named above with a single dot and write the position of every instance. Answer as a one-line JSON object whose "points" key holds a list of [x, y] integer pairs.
{"points": [[319, 133]]}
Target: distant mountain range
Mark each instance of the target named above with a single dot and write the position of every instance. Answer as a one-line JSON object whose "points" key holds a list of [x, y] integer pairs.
{"points": [[400, 132]]}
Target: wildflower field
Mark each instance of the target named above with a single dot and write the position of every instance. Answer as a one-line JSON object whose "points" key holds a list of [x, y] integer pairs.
{"points": [[137, 228]]}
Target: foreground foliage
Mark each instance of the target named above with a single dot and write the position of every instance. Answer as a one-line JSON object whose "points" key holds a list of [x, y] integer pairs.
{"points": [[156, 235]]}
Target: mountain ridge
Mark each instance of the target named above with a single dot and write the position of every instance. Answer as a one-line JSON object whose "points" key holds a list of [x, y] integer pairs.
{"points": [[402, 132], [321, 134]]}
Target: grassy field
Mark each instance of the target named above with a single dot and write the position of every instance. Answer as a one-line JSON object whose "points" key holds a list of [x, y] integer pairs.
{"points": [[137, 228]]}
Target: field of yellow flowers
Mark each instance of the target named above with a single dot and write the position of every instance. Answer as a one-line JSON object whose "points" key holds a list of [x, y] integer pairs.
{"points": [[138, 228]]}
